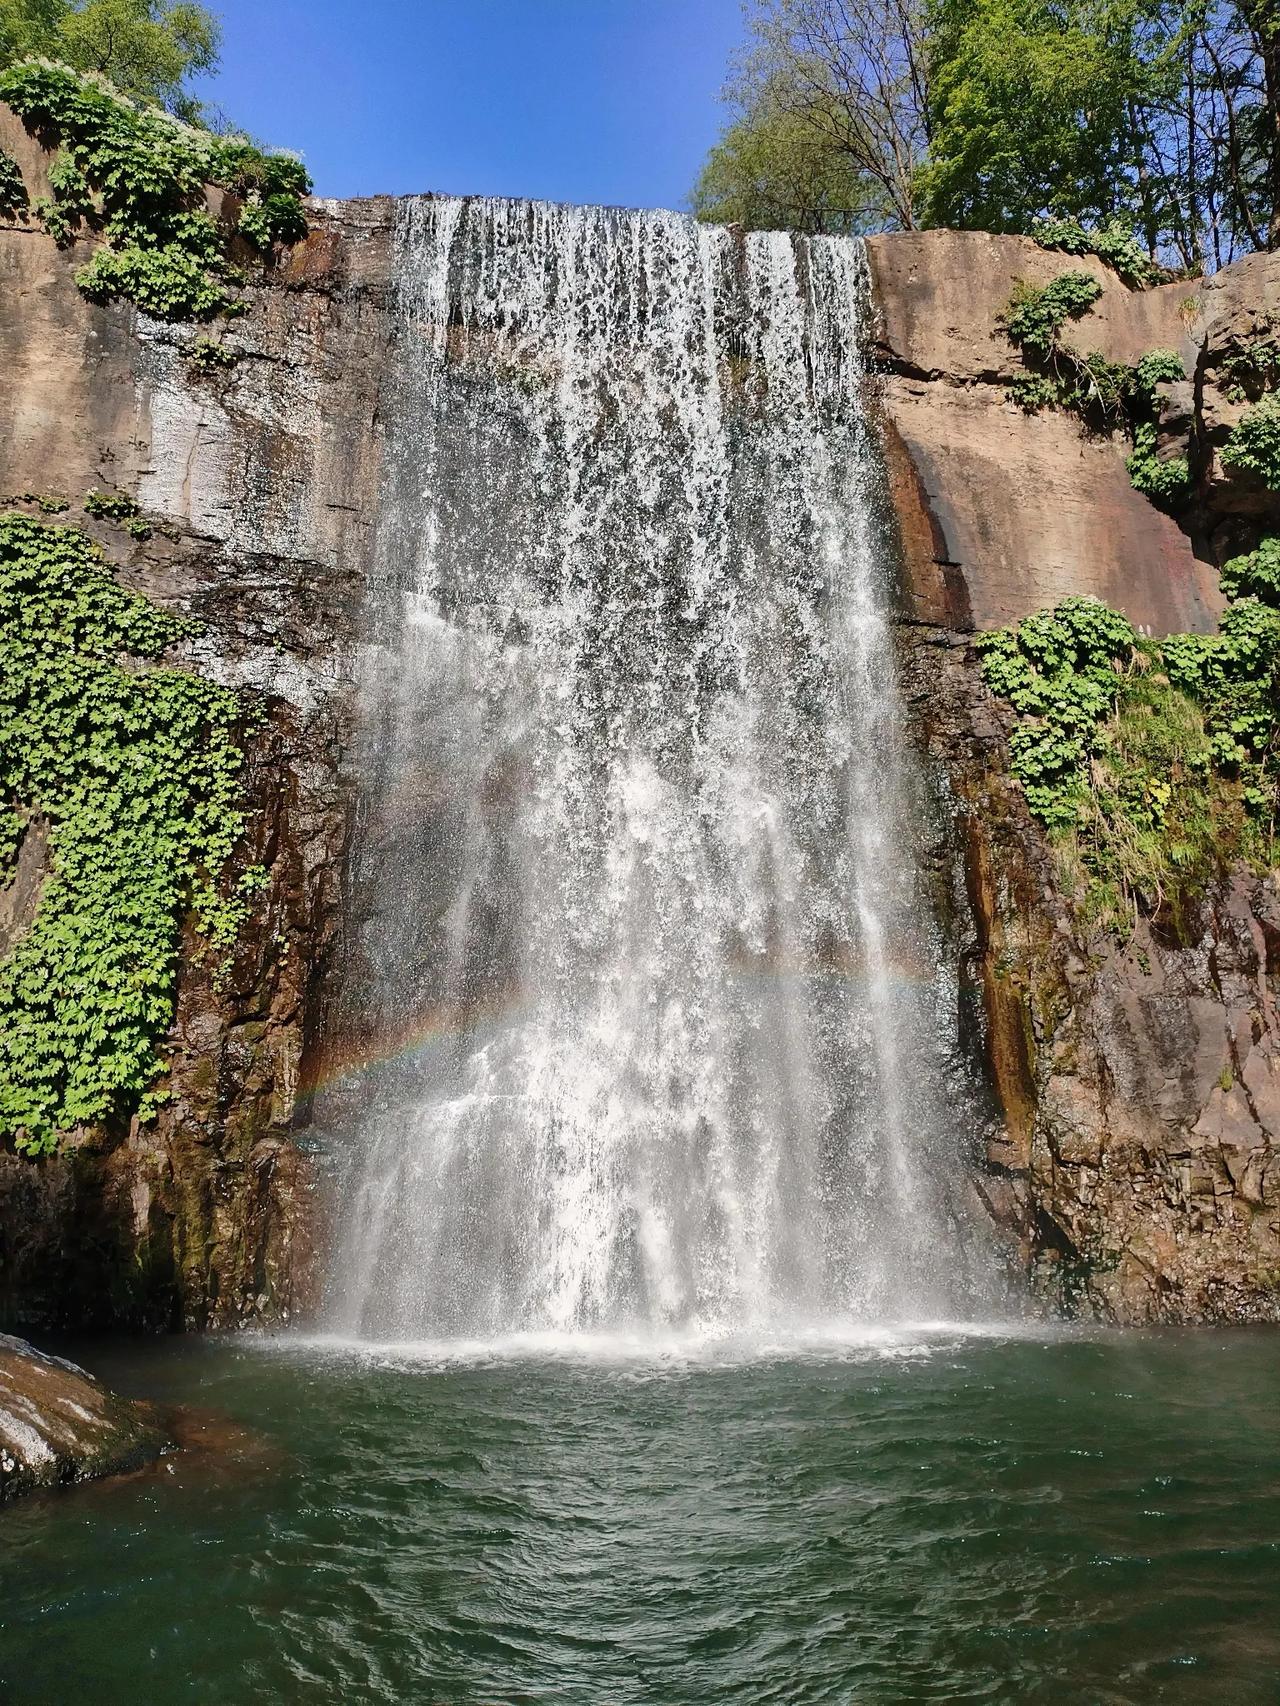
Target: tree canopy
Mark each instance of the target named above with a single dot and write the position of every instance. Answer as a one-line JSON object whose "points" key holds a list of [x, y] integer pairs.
{"points": [[1162, 115], [148, 48]]}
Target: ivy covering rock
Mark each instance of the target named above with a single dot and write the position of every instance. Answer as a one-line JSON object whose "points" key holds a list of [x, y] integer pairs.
{"points": [[137, 176], [1153, 764], [13, 192], [134, 767], [1106, 395], [1254, 444]]}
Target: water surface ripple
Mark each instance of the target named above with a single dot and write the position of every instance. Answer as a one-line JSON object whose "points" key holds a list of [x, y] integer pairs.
{"points": [[929, 1516]]}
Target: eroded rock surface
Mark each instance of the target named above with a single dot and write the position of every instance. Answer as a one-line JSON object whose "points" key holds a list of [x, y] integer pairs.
{"points": [[58, 1425]]}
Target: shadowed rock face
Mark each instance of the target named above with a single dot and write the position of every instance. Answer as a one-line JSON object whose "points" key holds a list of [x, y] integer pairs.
{"points": [[58, 1425]]}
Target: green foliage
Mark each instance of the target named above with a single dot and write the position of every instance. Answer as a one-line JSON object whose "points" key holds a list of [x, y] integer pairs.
{"points": [[1060, 671], [1152, 764], [118, 506], [139, 176], [1036, 314], [13, 192], [774, 169], [1105, 394], [206, 356], [1115, 115], [266, 220], [1166, 481], [148, 48], [1251, 367], [1147, 131], [1254, 444], [1158, 367], [1256, 575], [1113, 243], [110, 506], [135, 768], [1027, 109]]}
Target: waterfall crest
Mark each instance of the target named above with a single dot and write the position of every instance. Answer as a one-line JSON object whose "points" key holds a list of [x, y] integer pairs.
{"points": [[652, 1012]]}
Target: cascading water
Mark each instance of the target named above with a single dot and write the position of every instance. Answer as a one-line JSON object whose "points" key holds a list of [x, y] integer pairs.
{"points": [[652, 1009]]}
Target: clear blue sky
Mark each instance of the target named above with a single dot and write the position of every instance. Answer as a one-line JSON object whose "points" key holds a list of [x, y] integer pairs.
{"points": [[611, 101]]}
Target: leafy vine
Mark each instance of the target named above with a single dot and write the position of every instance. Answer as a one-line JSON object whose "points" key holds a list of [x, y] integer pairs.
{"points": [[133, 766], [1151, 763], [13, 191], [1105, 394], [1113, 243]]}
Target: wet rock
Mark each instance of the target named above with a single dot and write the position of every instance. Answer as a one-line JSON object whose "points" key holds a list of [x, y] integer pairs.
{"points": [[58, 1425]]}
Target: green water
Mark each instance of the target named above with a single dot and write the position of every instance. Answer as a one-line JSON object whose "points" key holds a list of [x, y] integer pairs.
{"points": [[935, 1517]]}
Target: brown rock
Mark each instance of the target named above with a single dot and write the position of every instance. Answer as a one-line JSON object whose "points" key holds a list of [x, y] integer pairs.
{"points": [[58, 1425]]}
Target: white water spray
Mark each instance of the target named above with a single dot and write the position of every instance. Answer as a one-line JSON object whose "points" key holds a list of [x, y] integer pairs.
{"points": [[650, 1001]]}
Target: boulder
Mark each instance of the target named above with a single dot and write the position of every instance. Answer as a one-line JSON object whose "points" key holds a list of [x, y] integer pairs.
{"points": [[58, 1425]]}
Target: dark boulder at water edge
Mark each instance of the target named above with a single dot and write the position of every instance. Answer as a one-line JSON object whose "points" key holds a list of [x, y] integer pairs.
{"points": [[58, 1425]]}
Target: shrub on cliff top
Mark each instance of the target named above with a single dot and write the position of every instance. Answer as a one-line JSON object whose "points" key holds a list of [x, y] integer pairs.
{"points": [[135, 769], [1113, 243], [138, 176]]}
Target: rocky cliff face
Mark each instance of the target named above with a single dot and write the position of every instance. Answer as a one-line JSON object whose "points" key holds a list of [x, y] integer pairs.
{"points": [[260, 479], [1135, 1159]]}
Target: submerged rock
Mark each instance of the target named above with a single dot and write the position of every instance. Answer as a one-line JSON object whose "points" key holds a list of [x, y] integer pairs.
{"points": [[58, 1425]]}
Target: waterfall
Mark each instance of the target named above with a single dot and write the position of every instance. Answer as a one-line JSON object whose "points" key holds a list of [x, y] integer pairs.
{"points": [[649, 1009]]}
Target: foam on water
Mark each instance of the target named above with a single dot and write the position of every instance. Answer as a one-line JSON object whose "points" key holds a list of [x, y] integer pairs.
{"points": [[656, 1034]]}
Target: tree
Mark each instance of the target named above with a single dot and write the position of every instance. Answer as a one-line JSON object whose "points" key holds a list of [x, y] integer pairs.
{"points": [[148, 48], [843, 81], [775, 169], [1156, 112], [1028, 104], [1162, 116]]}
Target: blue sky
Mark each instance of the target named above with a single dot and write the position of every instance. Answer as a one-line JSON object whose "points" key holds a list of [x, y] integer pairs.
{"points": [[610, 101]]}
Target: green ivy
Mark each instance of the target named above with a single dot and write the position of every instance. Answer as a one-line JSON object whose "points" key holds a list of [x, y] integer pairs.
{"points": [[206, 356], [134, 766], [138, 176], [1250, 367], [13, 192], [1036, 313], [1105, 394], [1151, 763], [1254, 444], [1113, 243], [118, 507]]}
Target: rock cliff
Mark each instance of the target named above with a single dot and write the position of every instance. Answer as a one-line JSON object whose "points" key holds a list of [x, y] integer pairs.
{"points": [[260, 478], [1135, 1156], [1132, 1159]]}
